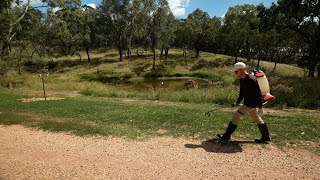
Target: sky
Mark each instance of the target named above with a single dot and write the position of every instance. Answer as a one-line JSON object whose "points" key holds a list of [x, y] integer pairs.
{"points": [[181, 8]]}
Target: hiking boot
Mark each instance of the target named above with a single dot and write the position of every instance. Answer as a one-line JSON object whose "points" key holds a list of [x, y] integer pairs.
{"points": [[265, 134], [227, 135]]}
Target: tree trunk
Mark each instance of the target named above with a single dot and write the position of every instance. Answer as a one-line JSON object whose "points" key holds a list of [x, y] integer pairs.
{"points": [[197, 53], [259, 58], [248, 53], [120, 53], [318, 71], [19, 65], [275, 65], [154, 59], [35, 51], [129, 52], [129, 48], [48, 53], [87, 50], [236, 56], [166, 53], [311, 71], [5, 49], [161, 53], [185, 56]]}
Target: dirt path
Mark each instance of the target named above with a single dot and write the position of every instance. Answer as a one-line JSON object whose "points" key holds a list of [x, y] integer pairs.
{"points": [[32, 154]]}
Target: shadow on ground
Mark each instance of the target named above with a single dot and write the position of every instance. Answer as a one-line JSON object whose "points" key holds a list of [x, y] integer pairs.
{"points": [[218, 146]]}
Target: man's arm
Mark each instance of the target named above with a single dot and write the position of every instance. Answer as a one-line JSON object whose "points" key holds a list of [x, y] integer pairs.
{"points": [[240, 98]]}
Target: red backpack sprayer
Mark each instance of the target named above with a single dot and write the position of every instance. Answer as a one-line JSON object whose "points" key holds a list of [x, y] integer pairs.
{"points": [[264, 85]]}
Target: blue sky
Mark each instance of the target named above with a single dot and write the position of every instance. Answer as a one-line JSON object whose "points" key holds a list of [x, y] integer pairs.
{"points": [[181, 8], [220, 7]]}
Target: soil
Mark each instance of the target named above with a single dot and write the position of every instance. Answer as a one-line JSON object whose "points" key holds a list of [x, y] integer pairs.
{"points": [[35, 154]]}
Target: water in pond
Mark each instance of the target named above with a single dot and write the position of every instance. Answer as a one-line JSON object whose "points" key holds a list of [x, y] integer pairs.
{"points": [[166, 84]]}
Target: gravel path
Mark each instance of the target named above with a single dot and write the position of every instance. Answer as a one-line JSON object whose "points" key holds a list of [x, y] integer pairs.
{"points": [[34, 154]]}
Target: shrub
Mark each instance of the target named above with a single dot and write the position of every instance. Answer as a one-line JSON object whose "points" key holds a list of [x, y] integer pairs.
{"points": [[106, 77], [138, 69], [215, 63], [284, 94], [160, 71], [199, 65], [35, 66]]}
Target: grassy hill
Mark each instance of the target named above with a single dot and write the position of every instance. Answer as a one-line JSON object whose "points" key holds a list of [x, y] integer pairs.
{"points": [[129, 99], [105, 76]]}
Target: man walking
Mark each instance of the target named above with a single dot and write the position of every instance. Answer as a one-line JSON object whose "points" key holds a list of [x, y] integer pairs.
{"points": [[252, 101]]}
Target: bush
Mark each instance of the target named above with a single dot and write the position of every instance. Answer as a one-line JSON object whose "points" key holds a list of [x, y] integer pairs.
{"points": [[296, 92], [3, 69], [35, 66], [284, 94], [160, 71], [216, 63], [138, 69], [106, 77]]}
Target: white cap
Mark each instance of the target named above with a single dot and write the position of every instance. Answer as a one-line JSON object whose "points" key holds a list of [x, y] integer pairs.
{"points": [[239, 65]]}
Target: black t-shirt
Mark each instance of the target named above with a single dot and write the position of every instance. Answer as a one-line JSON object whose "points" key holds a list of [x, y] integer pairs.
{"points": [[250, 92]]}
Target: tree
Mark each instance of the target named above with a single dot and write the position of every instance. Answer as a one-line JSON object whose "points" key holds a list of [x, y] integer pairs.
{"points": [[10, 17], [183, 36], [199, 23], [88, 29], [28, 35], [302, 17], [240, 23], [114, 15], [213, 31], [158, 16], [168, 34]]}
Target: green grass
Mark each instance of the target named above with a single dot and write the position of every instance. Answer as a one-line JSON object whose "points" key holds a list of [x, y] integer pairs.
{"points": [[140, 119], [110, 108], [98, 77]]}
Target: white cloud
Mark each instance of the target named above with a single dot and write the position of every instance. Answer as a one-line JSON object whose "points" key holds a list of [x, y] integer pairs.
{"points": [[36, 2], [25, 2], [33, 2], [178, 7], [92, 5], [55, 9]]}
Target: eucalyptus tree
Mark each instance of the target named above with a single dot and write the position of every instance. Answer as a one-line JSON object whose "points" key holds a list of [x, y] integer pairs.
{"points": [[213, 32], [61, 27], [28, 36], [88, 29], [183, 36], [158, 16], [134, 30], [168, 34], [10, 17], [198, 21], [240, 23], [114, 15], [264, 41], [137, 31], [302, 17]]}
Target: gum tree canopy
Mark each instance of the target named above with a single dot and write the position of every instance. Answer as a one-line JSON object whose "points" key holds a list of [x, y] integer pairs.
{"points": [[302, 17]]}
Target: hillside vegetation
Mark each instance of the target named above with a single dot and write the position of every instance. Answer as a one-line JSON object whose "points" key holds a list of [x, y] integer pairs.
{"points": [[105, 76], [100, 98]]}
